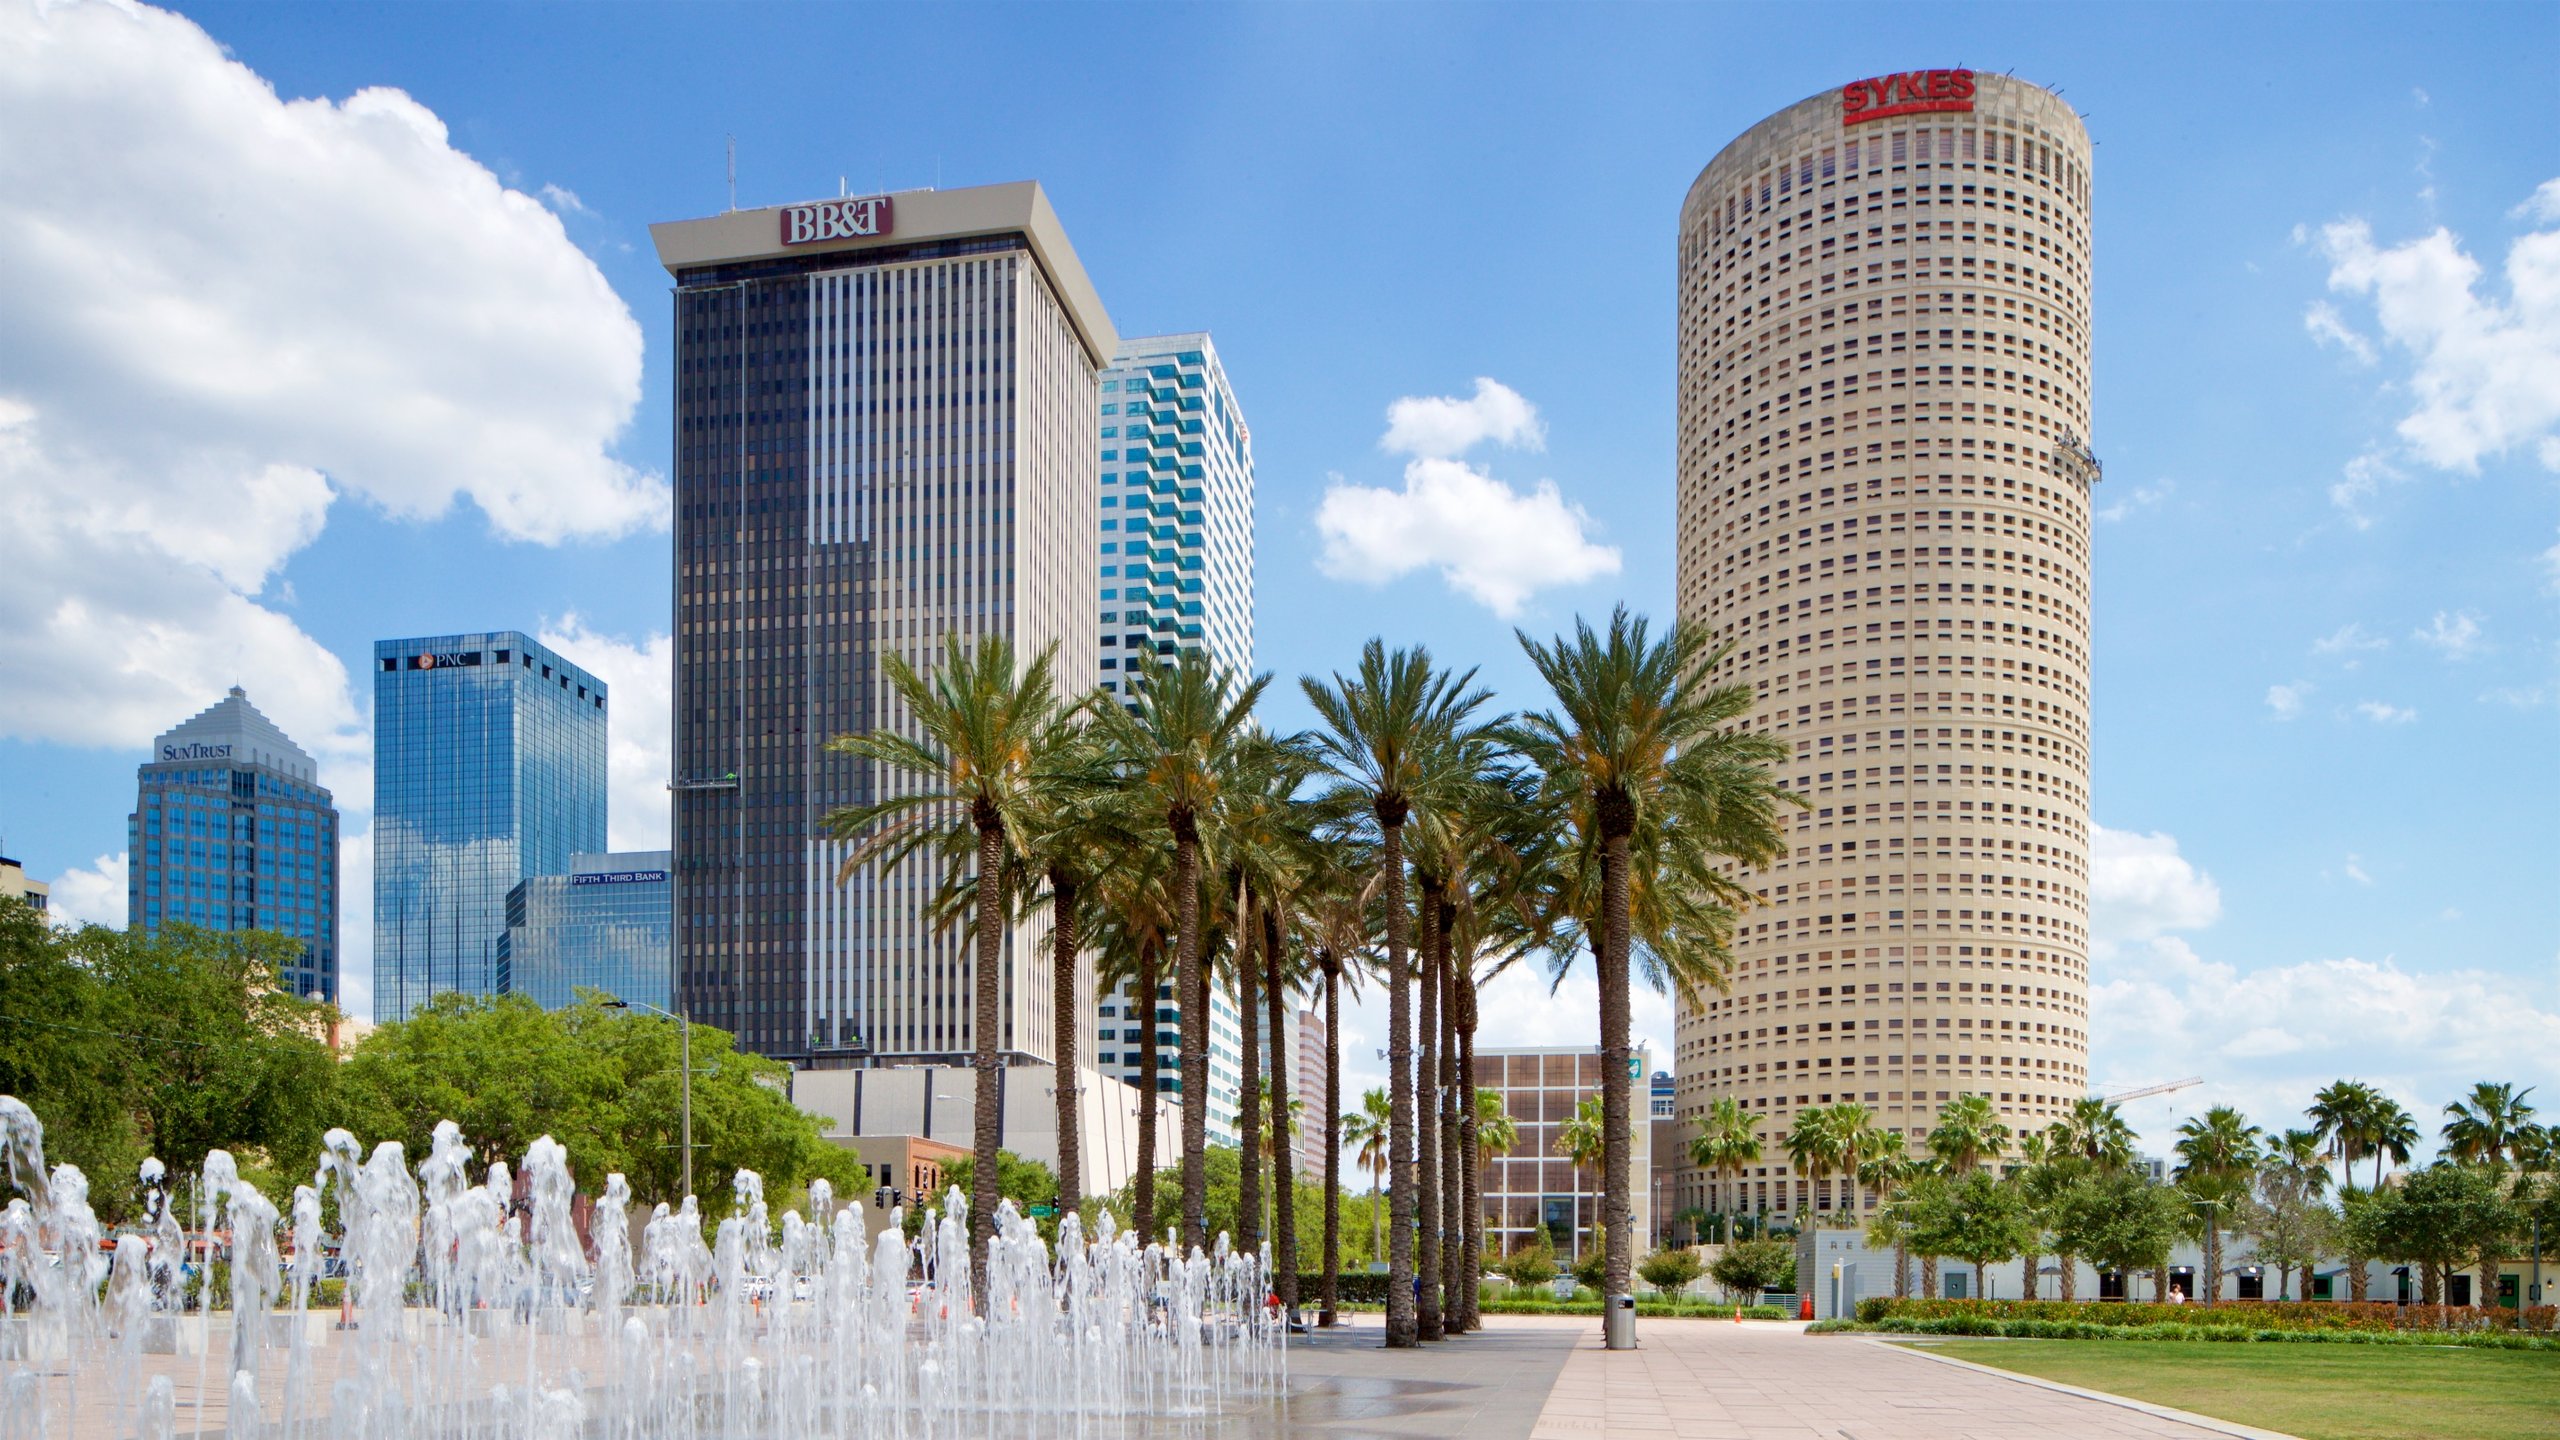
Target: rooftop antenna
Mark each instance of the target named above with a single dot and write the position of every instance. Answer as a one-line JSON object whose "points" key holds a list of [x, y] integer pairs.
{"points": [[733, 172]]}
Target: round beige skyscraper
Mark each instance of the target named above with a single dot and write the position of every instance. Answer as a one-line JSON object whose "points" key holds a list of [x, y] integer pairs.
{"points": [[1884, 513]]}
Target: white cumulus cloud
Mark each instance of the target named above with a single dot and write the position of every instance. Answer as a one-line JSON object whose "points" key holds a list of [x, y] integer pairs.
{"points": [[2350, 641], [92, 894], [1492, 543], [2330, 328], [1440, 426], [641, 680], [2286, 700], [2384, 713], [2485, 373], [226, 310], [2140, 886]]}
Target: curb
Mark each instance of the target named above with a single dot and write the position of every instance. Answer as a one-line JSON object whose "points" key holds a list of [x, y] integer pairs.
{"points": [[2162, 1412]]}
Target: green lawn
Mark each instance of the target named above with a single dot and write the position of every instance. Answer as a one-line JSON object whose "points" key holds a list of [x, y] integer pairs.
{"points": [[2319, 1392]]}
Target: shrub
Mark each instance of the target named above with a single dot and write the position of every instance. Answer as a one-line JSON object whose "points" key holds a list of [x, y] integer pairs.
{"points": [[1595, 1258], [1670, 1271], [1350, 1288], [1872, 1310], [2235, 1315], [1531, 1262], [1751, 1266]]}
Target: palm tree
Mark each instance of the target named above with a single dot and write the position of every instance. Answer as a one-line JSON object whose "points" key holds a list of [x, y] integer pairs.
{"points": [[1862, 1143], [1728, 1140], [2217, 1153], [2342, 1115], [1968, 1134], [1338, 916], [1132, 933], [980, 762], [2293, 1172], [2491, 1126], [2391, 1132], [2095, 1132], [1496, 1133], [1639, 740], [1584, 1140], [1813, 1148], [1371, 1131], [1890, 1225], [1395, 736], [1176, 740]]}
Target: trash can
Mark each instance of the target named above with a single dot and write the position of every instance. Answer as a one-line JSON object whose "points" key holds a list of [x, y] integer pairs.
{"points": [[1618, 1330], [1562, 1287]]}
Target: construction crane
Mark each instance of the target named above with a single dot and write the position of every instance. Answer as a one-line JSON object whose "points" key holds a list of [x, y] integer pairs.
{"points": [[2147, 1091]]}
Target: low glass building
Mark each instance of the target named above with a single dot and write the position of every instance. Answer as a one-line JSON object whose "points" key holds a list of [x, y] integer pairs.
{"points": [[609, 924]]}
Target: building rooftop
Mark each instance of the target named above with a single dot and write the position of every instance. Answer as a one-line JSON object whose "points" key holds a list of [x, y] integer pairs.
{"points": [[902, 218], [233, 731]]}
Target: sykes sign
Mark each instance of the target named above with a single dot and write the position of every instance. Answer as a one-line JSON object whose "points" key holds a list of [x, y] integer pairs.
{"points": [[1913, 93], [836, 220]]}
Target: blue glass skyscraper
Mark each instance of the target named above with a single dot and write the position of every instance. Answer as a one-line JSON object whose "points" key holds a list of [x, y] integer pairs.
{"points": [[1177, 576], [609, 924], [231, 830], [489, 769]]}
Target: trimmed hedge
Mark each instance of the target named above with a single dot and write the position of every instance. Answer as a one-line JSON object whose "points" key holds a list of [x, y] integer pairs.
{"points": [[2284, 1315], [1350, 1288], [1989, 1327], [1645, 1306]]}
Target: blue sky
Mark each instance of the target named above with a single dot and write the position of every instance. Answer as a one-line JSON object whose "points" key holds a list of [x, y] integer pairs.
{"points": [[282, 380]]}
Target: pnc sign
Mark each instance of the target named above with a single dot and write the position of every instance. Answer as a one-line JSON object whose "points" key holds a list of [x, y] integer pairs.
{"points": [[859, 219], [1912, 93]]}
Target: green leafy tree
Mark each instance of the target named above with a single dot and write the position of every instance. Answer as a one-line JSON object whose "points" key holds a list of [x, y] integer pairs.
{"points": [[1749, 1267], [2445, 1216], [1369, 1131], [2119, 1221], [1658, 778], [2289, 1213], [1532, 1261], [128, 1045], [1968, 1134], [1671, 1271], [1976, 1217]]}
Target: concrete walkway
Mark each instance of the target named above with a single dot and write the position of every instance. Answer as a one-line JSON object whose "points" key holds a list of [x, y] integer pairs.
{"points": [[1708, 1380]]}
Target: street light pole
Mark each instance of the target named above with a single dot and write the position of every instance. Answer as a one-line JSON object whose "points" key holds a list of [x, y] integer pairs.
{"points": [[684, 1026]]}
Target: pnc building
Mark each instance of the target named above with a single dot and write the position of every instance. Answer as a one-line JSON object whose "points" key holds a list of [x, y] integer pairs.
{"points": [[886, 434], [1883, 509], [488, 770]]}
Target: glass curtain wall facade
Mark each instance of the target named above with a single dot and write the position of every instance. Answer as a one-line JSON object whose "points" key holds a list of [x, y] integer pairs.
{"points": [[1884, 508], [489, 769], [1176, 577], [880, 442], [231, 830], [1534, 1187], [606, 925]]}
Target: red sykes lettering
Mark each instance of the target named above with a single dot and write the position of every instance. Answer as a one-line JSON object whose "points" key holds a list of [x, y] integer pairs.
{"points": [[836, 220], [1912, 93]]}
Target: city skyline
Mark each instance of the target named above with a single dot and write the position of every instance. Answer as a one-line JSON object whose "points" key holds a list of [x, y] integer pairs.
{"points": [[2323, 594]]}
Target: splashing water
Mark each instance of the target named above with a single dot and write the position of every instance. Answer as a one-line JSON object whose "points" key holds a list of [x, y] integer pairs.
{"points": [[489, 1311]]}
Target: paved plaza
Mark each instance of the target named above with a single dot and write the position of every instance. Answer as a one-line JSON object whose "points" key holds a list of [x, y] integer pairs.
{"points": [[1546, 1378]]}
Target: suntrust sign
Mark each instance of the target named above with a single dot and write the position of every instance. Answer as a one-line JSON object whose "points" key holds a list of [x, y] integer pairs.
{"points": [[836, 220], [1915, 92]]}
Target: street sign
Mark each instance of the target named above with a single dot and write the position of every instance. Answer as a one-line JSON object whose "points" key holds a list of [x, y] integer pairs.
{"points": [[1043, 1212]]}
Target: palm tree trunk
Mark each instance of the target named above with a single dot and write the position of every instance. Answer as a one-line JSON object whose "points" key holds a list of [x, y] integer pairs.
{"points": [[1401, 1331], [1249, 1095], [1195, 1040], [1901, 1270], [2358, 1282], [988, 1111], [1452, 1184], [2027, 1286], [1284, 1202], [2069, 1265], [2159, 1283], [1928, 1277], [1064, 1014], [1471, 1161], [1616, 1100], [2485, 1294], [2212, 1264], [1144, 1211], [1332, 1144], [1427, 1316]]}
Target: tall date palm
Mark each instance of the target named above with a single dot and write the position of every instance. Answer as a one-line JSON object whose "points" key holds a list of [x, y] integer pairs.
{"points": [[1393, 733], [1175, 741], [1640, 740], [984, 735]]}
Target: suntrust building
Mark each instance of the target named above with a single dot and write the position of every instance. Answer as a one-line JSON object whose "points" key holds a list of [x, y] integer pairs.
{"points": [[887, 433], [1884, 511]]}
